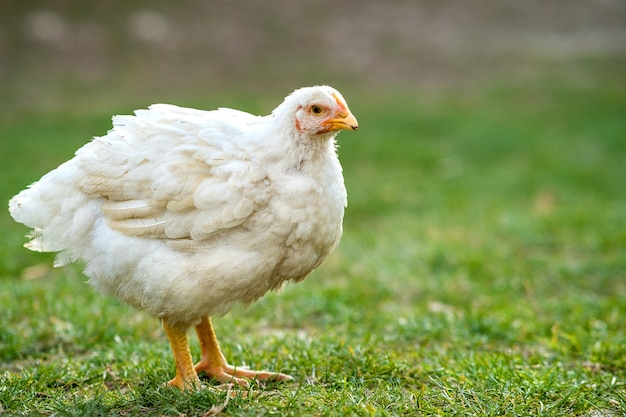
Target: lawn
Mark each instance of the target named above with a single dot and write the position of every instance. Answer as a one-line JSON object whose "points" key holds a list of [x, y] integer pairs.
{"points": [[482, 271]]}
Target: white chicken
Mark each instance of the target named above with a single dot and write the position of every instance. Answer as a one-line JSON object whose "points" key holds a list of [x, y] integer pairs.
{"points": [[183, 212]]}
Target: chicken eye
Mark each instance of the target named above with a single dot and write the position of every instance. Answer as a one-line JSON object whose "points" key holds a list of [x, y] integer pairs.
{"points": [[315, 109]]}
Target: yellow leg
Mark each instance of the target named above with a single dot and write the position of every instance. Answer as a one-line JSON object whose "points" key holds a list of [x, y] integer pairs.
{"points": [[214, 364], [186, 376]]}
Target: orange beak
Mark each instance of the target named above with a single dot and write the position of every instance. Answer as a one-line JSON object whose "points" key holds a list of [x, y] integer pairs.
{"points": [[344, 120]]}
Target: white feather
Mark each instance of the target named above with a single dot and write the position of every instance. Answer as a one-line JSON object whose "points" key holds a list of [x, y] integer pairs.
{"points": [[183, 212]]}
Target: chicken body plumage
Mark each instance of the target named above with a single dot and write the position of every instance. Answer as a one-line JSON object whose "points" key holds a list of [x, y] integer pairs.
{"points": [[183, 212]]}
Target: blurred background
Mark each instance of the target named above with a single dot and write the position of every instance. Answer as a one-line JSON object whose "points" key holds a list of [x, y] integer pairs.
{"points": [[64, 52], [466, 109]]}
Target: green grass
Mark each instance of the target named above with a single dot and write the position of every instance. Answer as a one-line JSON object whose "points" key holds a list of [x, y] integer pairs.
{"points": [[482, 272]]}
